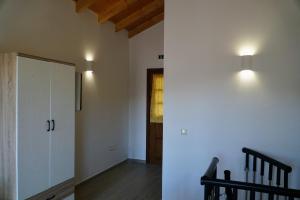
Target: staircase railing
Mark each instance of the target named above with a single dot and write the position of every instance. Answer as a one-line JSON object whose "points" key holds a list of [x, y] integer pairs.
{"points": [[212, 184], [272, 165]]}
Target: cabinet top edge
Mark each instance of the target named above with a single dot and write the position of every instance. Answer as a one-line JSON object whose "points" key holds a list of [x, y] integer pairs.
{"points": [[43, 59]]}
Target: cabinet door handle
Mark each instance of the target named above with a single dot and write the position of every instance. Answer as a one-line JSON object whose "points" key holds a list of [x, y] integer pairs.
{"points": [[53, 125], [48, 122]]}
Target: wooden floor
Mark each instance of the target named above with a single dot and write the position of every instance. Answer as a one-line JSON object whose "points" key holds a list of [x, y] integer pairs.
{"points": [[128, 181]]}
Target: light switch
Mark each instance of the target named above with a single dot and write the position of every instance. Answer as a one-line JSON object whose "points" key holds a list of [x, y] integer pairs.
{"points": [[184, 131]]}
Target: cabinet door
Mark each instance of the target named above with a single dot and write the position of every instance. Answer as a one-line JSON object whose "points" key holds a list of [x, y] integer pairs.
{"points": [[63, 114], [33, 111]]}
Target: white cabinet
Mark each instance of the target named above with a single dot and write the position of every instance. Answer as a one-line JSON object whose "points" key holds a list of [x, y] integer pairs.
{"points": [[38, 114], [33, 111], [63, 114]]}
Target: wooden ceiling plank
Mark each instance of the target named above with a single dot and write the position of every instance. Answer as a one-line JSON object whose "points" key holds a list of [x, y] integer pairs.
{"points": [[140, 28], [145, 18], [111, 11], [114, 9], [144, 11], [83, 4]]}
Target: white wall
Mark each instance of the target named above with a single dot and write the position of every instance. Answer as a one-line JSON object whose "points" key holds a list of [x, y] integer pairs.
{"points": [[202, 94], [52, 28], [144, 49]]}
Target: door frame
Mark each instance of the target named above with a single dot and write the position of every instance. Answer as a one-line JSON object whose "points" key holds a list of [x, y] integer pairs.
{"points": [[150, 73]]}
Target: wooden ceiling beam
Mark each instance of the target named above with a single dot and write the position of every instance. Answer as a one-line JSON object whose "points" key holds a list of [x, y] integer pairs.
{"points": [[83, 4], [140, 28], [114, 9], [144, 11], [134, 15]]}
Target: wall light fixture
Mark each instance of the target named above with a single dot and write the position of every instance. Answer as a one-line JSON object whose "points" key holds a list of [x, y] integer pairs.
{"points": [[247, 73], [89, 66]]}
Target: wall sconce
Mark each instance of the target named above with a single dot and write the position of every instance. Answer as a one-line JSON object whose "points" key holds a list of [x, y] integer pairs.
{"points": [[247, 62], [89, 66], [247, 74]]}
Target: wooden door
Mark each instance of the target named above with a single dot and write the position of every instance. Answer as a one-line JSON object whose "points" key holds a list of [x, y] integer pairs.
{"points": [[154, 116], [62, 123], [33, 113]]}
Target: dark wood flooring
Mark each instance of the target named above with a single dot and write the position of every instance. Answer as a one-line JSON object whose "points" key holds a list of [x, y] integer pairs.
{"points": [[130, 180]]}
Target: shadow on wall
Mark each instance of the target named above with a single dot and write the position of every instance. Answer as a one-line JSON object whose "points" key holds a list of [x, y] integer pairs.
{"points": [[1, 3], [296, 1]]}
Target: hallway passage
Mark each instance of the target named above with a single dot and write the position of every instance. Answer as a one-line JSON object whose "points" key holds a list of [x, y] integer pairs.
{"points": [[130, 180]]}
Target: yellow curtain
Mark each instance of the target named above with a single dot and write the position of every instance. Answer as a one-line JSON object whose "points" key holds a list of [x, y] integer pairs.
{"points": [[156, 107]]}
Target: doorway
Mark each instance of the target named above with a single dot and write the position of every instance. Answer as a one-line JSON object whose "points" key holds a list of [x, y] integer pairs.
{"points": [[154, 124]]}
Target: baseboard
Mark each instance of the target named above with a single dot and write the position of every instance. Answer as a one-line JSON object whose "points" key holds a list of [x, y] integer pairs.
{"points": [[59, 191], [101, 172], [136, 161], [110, 168]]}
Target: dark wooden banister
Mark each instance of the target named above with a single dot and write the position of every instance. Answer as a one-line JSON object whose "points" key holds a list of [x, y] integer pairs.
{"points": [[211, 170], [267, 159], [212, 184], [251, 187]]}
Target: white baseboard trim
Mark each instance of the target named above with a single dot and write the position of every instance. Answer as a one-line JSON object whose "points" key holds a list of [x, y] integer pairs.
{"points": [[137, 160], [111, 167], [100, 172]]}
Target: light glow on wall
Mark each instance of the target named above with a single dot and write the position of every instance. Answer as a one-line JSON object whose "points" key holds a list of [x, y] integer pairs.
{"points": [[247, 76], [89, 57], [89, 75], [247, 51]]}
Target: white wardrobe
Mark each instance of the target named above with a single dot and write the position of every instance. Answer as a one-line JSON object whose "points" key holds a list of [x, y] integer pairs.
{"points": [[37, 128]]}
